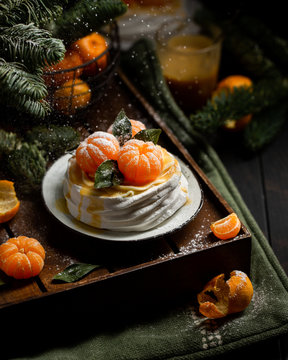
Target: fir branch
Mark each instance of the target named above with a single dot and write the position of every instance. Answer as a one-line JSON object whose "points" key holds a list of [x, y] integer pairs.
{"points": [[54, 140], [273, 46], [264, 127], [30, 45], [236, 104], [16, 81], [8, 142], [86, 16], [22, 90], [13, 12], [249, 54], [28, 165]]}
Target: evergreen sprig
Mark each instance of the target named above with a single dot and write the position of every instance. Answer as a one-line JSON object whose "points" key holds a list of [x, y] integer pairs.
{"points": [[13, 12], [54, 139], [234, 105], [264, 127], [30, 45], [84, 16], [28, 165], [8, 142], [25, 158], [22, 90]]}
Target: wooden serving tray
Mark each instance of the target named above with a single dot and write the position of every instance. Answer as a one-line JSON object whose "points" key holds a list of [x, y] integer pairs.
{"points": [[131, 272]]}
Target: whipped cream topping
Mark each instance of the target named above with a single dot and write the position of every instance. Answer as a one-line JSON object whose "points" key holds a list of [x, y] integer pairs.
{"points": [[126, 207]]}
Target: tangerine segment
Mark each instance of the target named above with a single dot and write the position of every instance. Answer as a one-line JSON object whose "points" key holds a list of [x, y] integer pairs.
{"points": [[227, 227], [95, 149], [22, 257], [140, 162], [9, 203], [136, 127]]}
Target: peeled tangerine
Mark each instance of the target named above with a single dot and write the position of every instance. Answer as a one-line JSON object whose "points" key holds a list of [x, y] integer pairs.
{"points": [[220, 298], [95, 149]]}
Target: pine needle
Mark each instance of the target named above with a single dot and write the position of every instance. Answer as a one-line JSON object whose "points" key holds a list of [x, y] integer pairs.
{"points": [[8, 141], [30, 45], [236, 104], [54, 140], [264, 127], [28, 165], [16, 82], [87, 16], [13, 12]]}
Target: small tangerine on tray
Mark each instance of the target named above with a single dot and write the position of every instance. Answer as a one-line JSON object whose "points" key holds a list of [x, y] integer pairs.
{"points": [[136, 127], [22, 257]]}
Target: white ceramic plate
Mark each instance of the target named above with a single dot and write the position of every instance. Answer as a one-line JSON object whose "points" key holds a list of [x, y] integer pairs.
{"points": [[52, 190]]}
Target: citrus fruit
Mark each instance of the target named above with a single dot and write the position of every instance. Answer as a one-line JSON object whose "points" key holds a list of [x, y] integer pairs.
{"points": [[220, 298], [72, 95], [240, 291], [95, 149], [71, 60], [89, 47], [140, 162], [234, 81], [226, 228], [136, 127], [22, 257], [9, 203], [228, 84]]}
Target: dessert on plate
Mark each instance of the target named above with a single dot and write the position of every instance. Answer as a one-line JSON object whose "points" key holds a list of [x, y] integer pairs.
{"points": [[123, 182]]}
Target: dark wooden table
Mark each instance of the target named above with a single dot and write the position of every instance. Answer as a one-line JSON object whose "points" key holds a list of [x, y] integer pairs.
{"points": [[262, 181]]}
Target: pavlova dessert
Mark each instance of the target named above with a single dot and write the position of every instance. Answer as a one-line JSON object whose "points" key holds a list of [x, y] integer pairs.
{"points": [[121, 180]]}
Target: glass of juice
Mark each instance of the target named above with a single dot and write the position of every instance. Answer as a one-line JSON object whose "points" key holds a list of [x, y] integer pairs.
{"points": [[190, 56]]}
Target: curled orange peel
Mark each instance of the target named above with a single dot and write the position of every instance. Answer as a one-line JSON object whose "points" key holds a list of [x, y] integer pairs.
{"points": [[220, 298]]}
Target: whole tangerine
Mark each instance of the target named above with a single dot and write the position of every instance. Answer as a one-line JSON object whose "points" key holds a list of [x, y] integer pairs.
{"points": [[95, 149], [136, 127], [90, 47], [72, 95], [71, 60], [229, 84], [140, 162], [22, 257]]}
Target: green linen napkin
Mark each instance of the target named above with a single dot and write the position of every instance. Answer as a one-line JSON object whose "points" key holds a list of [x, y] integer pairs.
{"points": [[182, 333]]}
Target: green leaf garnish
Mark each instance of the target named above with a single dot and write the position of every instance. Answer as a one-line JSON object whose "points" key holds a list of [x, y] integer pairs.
{"points": [[2, 282], [108, 175], [122, 128], [75, 272], [148, 135]]}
